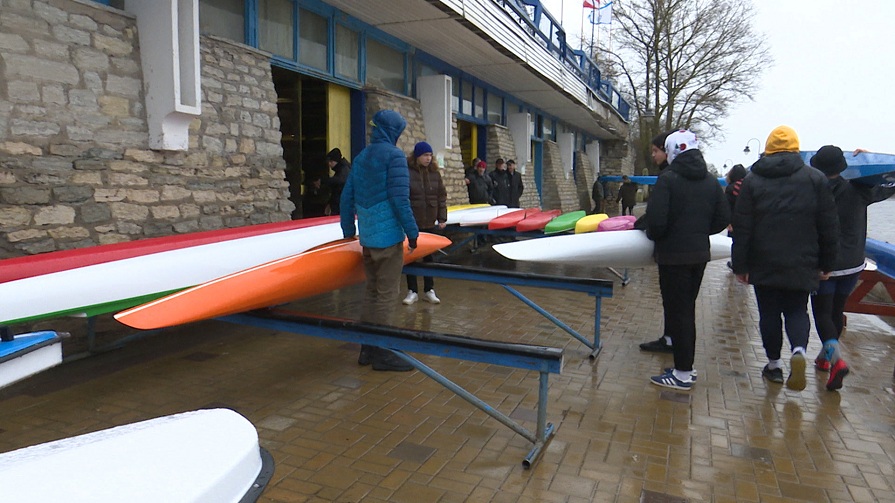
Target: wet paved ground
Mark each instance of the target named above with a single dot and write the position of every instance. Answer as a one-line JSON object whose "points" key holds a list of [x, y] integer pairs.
{"points": [[340, 432]]}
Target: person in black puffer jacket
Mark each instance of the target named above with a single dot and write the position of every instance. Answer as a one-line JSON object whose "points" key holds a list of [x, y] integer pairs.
{"points": [[685, 207], [828, 302], [785, 237]]}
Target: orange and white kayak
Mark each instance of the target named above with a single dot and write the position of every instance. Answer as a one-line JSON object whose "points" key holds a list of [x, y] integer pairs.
{"points": [[322, 269]]}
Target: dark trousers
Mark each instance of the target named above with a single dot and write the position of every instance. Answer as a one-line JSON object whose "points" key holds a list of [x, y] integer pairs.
{"points": [[828, 305], [428, 281], [627, 209], [792, 305], [679, 285]]}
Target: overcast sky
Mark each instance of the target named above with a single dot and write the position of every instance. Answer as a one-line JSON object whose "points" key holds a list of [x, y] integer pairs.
{"points": [[833, 78]]}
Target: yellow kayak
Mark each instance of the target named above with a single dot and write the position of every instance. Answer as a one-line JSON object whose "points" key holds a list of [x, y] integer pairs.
{"points": [[589, 223], [456, 207]]}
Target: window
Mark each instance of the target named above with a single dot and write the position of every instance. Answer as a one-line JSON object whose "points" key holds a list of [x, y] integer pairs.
{"points": [[495, 109], [223, 18], [547, 128], [314, 33], [346, 52], [479, 102], [275, 27], [466, 94], [385, 67]]}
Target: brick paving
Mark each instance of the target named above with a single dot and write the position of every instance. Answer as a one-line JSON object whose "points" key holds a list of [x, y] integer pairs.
{"points": [[341, 432]]}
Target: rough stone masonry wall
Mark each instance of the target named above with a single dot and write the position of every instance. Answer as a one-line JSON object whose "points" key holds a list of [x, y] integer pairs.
{"points": [[560, 192], [75, 169], [584, 180], [500, 144], [452, 172]]}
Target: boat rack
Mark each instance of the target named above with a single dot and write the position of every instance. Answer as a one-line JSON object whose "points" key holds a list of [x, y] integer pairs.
{"points": [[598, 288], [544, 360], [473, 232]]}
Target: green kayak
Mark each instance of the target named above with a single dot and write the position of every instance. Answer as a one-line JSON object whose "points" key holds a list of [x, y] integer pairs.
{"points": [[564, 222]]}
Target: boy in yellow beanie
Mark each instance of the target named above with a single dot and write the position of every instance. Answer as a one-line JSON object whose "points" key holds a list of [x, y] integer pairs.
{"points": [[785, 239]]}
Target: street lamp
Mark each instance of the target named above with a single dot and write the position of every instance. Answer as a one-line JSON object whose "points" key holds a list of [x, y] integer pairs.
{"points": [[725, 163], [746, 150]]}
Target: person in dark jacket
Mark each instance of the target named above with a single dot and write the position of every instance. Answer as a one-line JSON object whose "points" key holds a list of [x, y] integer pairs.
{"points": [[596, 194], [516, 186], [660, 159], [340, 167], [378, 193], [785, 237], [627, 194], [734, 182], [685, 207], [500, 182], [479, 185], [828, 301], [428, 200]]}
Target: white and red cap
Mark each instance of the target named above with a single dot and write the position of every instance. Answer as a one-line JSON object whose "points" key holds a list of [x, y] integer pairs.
{"points": [[679, 141]]}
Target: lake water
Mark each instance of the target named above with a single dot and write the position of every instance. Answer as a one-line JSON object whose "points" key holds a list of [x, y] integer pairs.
{"points": [[881, 221]]}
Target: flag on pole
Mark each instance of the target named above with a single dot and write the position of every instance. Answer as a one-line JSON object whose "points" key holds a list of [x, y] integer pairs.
{"points": [[601, 14], [589, 5]]}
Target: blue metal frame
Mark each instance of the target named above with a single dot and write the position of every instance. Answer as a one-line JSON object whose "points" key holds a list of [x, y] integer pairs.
{"points": [[597, 288], [544, 360]]}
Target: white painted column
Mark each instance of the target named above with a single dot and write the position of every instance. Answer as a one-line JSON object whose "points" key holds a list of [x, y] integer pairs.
{"points": [[169, 50]]}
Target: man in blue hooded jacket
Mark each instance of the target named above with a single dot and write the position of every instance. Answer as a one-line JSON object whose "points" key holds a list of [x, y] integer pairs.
{"points": [[378, 193]]}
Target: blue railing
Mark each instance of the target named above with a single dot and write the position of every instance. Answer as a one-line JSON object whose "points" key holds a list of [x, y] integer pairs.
{"points": [[531, 16]]}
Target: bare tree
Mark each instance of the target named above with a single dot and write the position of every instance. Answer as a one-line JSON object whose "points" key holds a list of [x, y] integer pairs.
{"points": [[685, 63]]}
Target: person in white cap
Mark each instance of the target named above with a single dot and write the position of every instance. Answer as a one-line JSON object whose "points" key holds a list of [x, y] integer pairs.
{"points": [[686, 206]]}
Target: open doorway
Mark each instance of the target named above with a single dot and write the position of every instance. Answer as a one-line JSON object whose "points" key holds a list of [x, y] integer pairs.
{"points": [[301, 106], [472, 138]]}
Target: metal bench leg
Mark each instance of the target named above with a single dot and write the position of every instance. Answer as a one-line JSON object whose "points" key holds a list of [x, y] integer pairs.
{"points": [[545, 432], [554, 319]]}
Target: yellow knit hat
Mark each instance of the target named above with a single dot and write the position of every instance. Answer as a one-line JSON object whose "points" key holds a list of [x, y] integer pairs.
{"points": [[782, 139]]}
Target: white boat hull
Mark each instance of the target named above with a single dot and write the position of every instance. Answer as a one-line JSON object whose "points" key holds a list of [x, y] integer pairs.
{"points": [[203, 456], [152, 274], [602, 249]]}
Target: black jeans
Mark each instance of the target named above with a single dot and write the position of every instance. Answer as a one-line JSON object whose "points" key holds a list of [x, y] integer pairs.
{"points": [[679, 285], [792, 305], [428, 281]]}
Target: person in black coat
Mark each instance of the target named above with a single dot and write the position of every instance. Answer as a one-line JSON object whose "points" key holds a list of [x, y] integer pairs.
{"points": [[341, 167], [500, 179], [516, 186], [685, 207], [479, 185], [785, 237], [828, 301], [660, 159], [734, 182]]}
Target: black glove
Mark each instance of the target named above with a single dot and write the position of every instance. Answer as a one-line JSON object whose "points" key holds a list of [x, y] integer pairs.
{"points": [[411, 243]]}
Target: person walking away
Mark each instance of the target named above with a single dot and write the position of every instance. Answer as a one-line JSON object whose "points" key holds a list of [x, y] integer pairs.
{"points": [[340, 168], [734, 180], [428, 200], [500, 180], [378, 194], [685, 207], [785, 238], [627, 194], [828, 301], [516, 186]]}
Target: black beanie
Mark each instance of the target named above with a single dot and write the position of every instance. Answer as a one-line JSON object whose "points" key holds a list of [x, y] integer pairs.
{"points": [[334, 155], [829, 160]]}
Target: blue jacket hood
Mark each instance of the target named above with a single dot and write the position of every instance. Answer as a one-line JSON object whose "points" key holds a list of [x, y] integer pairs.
{"points": [[387, 127]]}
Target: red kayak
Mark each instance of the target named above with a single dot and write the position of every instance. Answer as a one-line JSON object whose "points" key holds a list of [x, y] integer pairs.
{"points": [[12, 269], [537, 221], [509, 220]]}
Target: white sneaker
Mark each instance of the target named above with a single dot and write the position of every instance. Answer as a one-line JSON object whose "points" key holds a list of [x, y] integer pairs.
{"points": [[411, 298], [430, 297]]}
